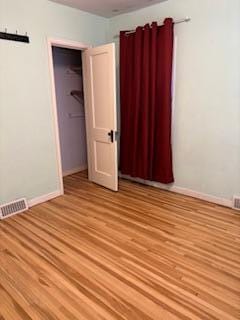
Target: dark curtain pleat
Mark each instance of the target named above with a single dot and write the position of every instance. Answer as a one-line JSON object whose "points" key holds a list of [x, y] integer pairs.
{"points": [[143, 135], [135, 106], [162, 166], [126, 78], [145, 93], [152, 98]]}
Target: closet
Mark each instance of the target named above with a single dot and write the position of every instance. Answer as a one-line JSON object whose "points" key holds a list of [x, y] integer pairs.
{"points": [[68, 76]]}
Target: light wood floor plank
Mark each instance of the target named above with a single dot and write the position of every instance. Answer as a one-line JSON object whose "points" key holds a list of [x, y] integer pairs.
{"points": [[141, 253]]}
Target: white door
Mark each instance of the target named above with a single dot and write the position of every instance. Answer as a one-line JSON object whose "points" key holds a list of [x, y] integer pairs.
{"points": [[99, 79]]}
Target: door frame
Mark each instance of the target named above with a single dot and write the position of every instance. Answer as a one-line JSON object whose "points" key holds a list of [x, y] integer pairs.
{"points": [[60, 43]]}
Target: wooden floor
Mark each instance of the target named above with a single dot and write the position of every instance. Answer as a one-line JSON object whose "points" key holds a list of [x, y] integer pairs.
{"points": [[140, 253]]}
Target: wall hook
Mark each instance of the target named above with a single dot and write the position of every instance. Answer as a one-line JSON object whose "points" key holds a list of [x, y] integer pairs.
{"points": [[14, 36]]}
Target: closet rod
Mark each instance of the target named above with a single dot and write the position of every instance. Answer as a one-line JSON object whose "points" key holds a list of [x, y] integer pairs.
{"points": [[187, 19]]}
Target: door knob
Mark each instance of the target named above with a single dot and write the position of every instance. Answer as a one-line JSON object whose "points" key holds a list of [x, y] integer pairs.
{"points": [[111, 135]]}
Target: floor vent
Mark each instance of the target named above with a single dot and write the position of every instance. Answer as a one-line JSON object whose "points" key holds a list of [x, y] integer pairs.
{"points": [[9, 209], [236, 203]]}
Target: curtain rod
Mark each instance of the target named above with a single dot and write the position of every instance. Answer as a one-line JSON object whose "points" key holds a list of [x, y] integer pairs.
{"points": [[187, 19]]}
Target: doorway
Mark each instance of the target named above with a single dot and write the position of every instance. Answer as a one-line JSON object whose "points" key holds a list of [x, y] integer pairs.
{"points": [[67, 65], [56, 49], [98, 109]]}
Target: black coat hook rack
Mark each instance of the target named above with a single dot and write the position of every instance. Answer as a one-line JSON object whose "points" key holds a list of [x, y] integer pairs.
{"points": [[14, 36]]}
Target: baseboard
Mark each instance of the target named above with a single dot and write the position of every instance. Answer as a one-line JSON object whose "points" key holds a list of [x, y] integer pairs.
{"points": [[180, 190], [203, 196], [184, 191], [44, 198], [75, 170]]}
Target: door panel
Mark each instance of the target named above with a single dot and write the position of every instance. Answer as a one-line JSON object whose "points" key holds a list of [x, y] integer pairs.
{"points": [[100, 109]]}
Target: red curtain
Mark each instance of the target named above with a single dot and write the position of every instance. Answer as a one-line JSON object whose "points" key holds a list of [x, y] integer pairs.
{"points": [[145, 85]]}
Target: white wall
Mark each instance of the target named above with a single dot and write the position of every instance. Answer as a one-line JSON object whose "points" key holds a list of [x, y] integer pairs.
{"points": [[206, 128], [28, 166], [207, 103]]}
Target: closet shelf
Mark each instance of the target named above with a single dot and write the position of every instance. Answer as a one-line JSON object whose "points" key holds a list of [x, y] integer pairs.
{"points": [[78, 95], [76, 69]]}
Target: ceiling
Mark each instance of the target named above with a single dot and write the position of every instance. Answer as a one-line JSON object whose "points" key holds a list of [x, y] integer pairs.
{"points": [[108, 8]]}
